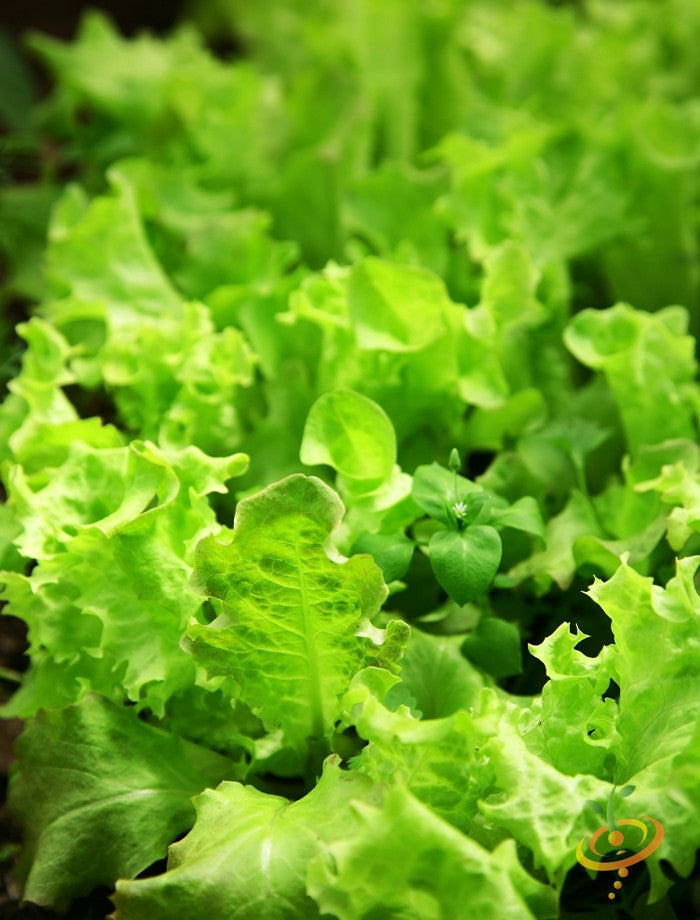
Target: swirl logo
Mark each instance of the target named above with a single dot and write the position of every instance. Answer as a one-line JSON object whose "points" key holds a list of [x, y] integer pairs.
{"points": [[631, 846]]}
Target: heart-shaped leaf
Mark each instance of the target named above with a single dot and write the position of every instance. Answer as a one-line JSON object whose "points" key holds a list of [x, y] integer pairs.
{"points": [[464, 562]]}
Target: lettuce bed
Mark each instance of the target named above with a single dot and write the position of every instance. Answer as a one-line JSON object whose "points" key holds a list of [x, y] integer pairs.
{"points": [[352, 470]]}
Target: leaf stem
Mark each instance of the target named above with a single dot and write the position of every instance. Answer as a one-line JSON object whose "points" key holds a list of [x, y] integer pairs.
{"points": [[611, 812]]}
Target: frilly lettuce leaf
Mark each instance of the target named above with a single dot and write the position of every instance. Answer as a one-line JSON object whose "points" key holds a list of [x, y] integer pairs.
{"points": [[472, 765], [678, 486], [437, 760], [190, 301], [659, 704], [576, 726], [649, 738], [542, 808], [648, 361], [404, 861], [37, 421], [203, 239], [294, 624], [544, 761], [106, 489], [113, 531], [173, 376], [136, 283], [670, 788], [100, 610], [184, 102]]}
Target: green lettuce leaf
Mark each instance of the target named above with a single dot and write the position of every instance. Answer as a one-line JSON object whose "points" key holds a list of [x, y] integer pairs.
{"points": [[438, 677], [101, 611], [174, 378], [543, 809], [294, 623], [248, 852], [201, 238], [649, 738], [556, 562], [390, 211], [648, 361], [395, 309], [679, 488], [659, 705], [101, 795], [575, 725], [354, 435], [475, 765], [113, 531], [37, 421], [438, 760], [186, 104], [406, 862], [420, 372], [366, 205], [669, 788]]}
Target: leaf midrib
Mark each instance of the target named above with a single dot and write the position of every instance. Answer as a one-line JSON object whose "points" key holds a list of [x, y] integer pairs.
{"points": [[314, 682]]}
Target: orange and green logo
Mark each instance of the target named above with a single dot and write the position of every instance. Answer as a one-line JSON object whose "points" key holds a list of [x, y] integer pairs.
{"points": [[619, 844]]}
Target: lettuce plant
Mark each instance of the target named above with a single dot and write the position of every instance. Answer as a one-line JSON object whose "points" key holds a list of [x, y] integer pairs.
{"points": [[351, 470]]}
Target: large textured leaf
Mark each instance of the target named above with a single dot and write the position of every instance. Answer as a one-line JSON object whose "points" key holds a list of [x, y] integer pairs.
{"points": [[100, 795], [657, 665], [405, 863], [247, 855], [542, 808], [294, 626]]}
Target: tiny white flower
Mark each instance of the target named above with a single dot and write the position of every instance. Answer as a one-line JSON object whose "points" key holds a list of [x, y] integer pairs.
{"points": [[460, 509]]}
